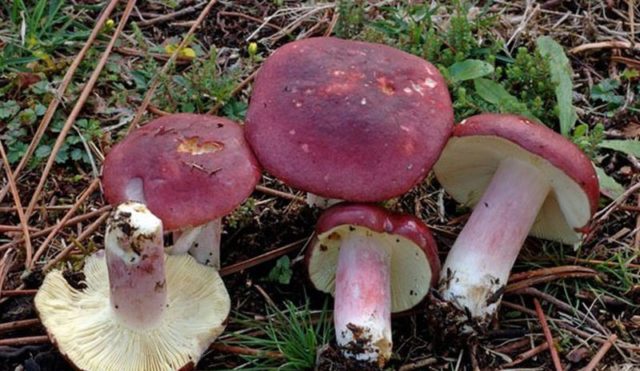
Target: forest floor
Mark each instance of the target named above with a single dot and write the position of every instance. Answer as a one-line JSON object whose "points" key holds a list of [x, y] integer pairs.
{"points": [[198, 56]]}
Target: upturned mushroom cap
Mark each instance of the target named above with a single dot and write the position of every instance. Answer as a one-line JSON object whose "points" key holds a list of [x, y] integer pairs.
{"points": [[188, 168], [347, 119], [479, 143], [82, 324], [415, 265]]}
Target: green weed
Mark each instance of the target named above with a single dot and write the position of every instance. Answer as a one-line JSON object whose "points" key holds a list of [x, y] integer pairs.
{"points": [[295, 332], [201, 87], [21, 122], [35, 30]]}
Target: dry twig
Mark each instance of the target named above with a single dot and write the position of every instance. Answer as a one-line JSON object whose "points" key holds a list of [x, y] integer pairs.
{"points": [[15, 325], [16, 200], [274, 192], [86, 233], [72, 221], [244, 351], [171, 16], [547, 335], [43, 247], [234, 268], [603, 350], [28, 340]]}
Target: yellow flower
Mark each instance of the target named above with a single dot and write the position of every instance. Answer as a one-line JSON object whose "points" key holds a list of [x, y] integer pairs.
{"points": [[188, 53], [46, 58], [185, 52], [252, 49]]}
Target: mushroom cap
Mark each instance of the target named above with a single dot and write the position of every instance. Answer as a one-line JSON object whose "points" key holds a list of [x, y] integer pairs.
{"points": [[348, 119], [481, 142], [415, 265], [191, 168], [83, 326]]}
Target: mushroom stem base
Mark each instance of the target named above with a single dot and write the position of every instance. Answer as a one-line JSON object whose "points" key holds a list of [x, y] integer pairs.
{"points": [[479, 263], [362, 315]]}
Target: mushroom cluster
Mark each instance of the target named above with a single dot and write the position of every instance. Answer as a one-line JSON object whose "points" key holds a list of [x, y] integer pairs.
{"points": [[342, 120], [358, 122]]}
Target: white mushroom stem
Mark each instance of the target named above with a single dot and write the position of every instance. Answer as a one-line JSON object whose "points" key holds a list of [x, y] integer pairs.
{"points": [[206, 247], [202, 242], [362, 314], [479, 263], [135, 263], [320, 202]]}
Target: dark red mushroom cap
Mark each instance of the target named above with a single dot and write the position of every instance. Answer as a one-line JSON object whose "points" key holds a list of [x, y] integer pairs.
{"points": [[192, 169], [348, 119], [480, 142], [415, 265]]}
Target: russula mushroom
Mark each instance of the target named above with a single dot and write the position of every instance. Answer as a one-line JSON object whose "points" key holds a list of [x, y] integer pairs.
{"points": [[325, 113], [139, 309], [374, 262], [190, 170], [521, 178]]}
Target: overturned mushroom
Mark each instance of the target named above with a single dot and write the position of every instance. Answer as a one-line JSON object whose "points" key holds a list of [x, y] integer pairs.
{"points": [[190, 170], [139, 309], [374, 262]]}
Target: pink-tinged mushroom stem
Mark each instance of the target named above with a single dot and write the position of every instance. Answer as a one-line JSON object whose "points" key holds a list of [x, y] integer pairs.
{"points": [[135, 263], [362, 310], [480, 261]]}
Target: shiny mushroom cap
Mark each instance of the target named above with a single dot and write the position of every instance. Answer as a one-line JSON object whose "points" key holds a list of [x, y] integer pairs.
{"points": [[347, 119], [188, 169]]}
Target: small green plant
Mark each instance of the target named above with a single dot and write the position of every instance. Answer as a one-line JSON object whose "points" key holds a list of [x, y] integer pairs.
{"points": [[37, 28], [200, 88], [294, 332], [242, 215], [606, 92], [350, 18], [588, 139], [21, 122], [281, 273]]}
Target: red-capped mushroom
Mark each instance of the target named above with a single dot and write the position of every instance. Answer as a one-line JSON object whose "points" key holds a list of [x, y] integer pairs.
{"points": [[326, 112], [374, 262], [521, 178], [190, 170]]}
